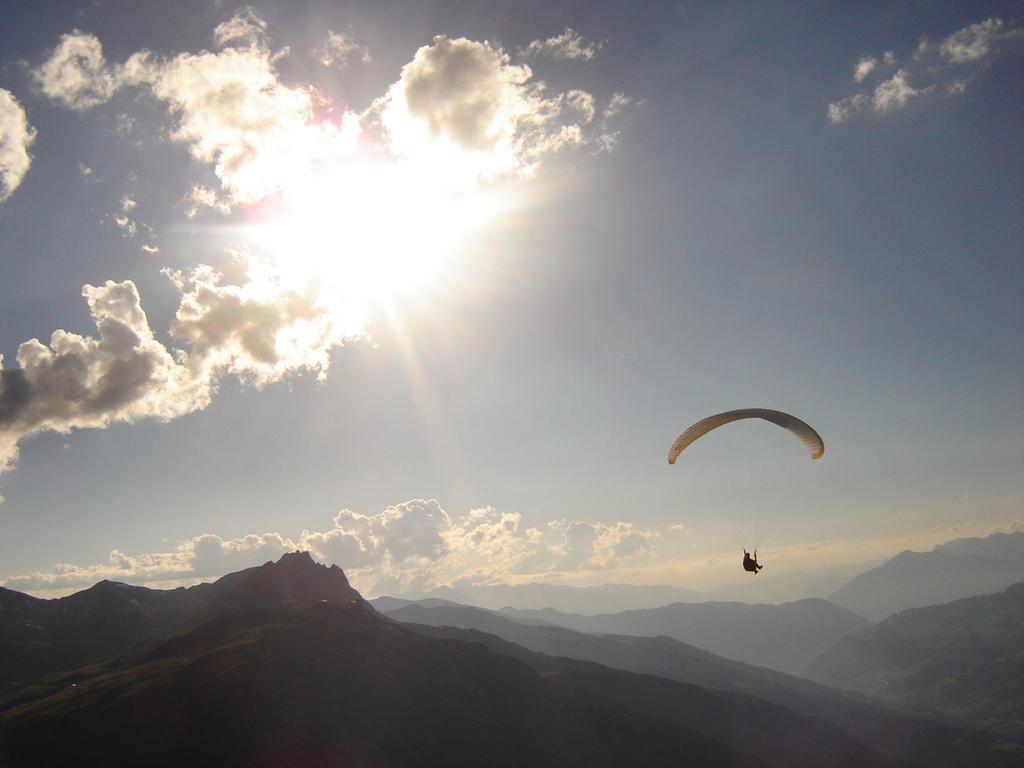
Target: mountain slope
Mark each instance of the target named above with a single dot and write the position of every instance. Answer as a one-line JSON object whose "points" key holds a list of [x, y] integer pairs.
{"points": [[326, 684], [39, 637], [784, 637], [964, 659], [900, 736], [952, 571]]}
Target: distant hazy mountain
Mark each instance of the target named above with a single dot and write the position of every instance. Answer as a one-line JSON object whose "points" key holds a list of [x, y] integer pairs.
{"points": [[606, 598], [38, 637], [784, 637], [916, 740], [964, 659], [958, 569], [773, 587]]}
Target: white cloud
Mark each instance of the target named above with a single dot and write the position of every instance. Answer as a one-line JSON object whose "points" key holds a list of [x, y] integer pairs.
{"points": [[418, 545], [893, 92], [128, 227], [231, 108], [234, 114], [927, 70], [76, 73], [841, 110], [16, 136], [976, 41], [257, 331], [568, 45], [76, 381], [464, 105], [618, 102], [204, 197], [864, 67], [460, 108], [339, 48], [413, 544], [245, 27]]}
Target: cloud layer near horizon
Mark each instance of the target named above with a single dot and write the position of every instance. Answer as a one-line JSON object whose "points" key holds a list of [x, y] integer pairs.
{"points": [[417, 546], [413, 545]]}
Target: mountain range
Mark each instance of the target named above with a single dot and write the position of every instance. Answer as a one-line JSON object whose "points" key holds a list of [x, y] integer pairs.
{"points": [[286, 664], [952, 571], [912, 739], [784, 637], [964, 659]]}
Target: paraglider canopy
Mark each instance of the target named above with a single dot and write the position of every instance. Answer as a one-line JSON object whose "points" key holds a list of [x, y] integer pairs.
{"points": [[811, 439]]}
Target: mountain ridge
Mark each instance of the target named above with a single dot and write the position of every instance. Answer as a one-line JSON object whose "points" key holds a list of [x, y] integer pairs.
{"points": [[955, 570]]}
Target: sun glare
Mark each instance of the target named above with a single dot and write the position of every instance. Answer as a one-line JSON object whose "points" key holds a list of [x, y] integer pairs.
{"points": [[371, 232]]}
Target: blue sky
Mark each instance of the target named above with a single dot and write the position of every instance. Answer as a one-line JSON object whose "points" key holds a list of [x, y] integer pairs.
{"points": [[703, 209]]}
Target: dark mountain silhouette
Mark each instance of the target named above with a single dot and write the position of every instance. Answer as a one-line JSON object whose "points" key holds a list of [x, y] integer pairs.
{"points": [[913, 739], [39, 637], [784, 637], [322, 683], [279, 680], [952, 571], [964, 659]]}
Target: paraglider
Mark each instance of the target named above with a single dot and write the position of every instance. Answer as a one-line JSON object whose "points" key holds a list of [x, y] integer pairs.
{"points": [[750, 564], [801, 429]]}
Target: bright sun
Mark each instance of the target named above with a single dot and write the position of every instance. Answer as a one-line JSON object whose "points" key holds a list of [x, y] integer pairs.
{"points": [[370, 232]]}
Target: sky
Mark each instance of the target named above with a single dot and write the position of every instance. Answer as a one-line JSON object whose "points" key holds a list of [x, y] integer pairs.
{"points": [[429, 289]]}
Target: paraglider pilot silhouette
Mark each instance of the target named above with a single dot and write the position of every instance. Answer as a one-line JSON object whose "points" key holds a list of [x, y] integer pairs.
{"points": [[801, 429], [750, 563]]}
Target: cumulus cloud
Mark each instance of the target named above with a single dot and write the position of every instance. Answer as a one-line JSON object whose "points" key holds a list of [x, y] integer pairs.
{"points": [[568, 45], [467, 106], [339, 48], [415, 544], [893, 93], [231, 109], [76, 74], [201, 557], [75, 381], [461, 110], [16, 136], [257, 331], [945, 68], [463, 104]]}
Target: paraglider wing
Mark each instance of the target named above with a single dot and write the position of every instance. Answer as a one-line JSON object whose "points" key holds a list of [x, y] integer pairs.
{"points": [[811, 439]]}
